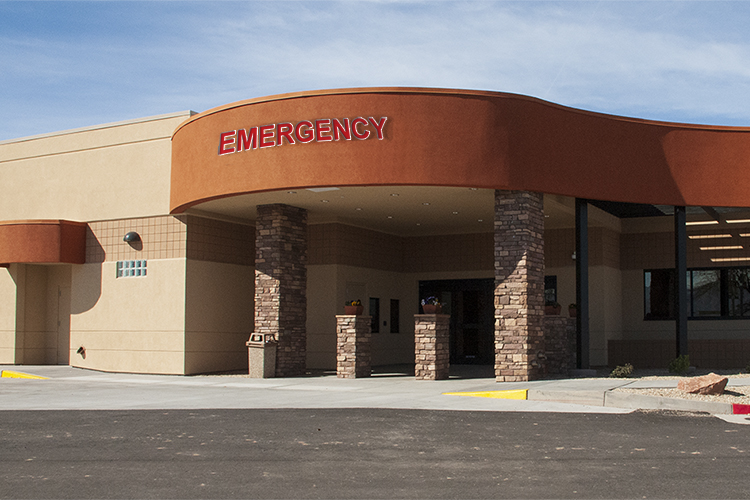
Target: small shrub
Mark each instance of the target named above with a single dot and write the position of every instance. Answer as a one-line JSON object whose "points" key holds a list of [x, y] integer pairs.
{"points": [[680, 365], [622, 371]]}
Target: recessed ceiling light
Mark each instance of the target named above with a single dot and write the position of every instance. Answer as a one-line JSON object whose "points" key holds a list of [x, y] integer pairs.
{"points": [[418, 224], [394, 194], [324, 201], [358, 208], [455, 213], [728, 247], [291, 192], [390, 217], [708, 236], [425, 203], [473, 189], [480, 220], [701, 223]]}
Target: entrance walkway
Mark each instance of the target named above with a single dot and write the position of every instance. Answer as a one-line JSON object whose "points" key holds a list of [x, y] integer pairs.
{"points": [[67, 388], [75, 389]]}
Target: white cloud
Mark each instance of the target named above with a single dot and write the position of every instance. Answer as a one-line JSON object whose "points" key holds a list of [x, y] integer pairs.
{"points": [[663, 60]]}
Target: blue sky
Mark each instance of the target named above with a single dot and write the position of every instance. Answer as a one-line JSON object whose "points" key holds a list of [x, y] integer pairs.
{"points": [[66, 65]]}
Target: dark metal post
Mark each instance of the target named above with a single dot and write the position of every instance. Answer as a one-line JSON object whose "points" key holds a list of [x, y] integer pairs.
{"points": [[582, 283], [680, 282]]}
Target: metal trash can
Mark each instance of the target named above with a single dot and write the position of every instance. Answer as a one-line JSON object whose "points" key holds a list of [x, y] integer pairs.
{"points": [[261, 356]]}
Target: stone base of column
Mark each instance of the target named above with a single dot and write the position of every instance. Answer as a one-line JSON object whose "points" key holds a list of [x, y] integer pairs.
{"points": [[353, 358], [431, 346], [513, 375], [559, 345]]}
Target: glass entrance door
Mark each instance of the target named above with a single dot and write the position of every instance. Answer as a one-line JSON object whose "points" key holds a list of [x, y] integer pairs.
{"points": [[470, 304]]}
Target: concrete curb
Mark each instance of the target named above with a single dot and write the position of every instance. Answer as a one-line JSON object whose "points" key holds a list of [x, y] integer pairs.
{"points": [[591, 398], [630, 401], [619, 399]]}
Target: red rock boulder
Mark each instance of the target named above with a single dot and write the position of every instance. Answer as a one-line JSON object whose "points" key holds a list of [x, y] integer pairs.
{"points": [[708, 384]]}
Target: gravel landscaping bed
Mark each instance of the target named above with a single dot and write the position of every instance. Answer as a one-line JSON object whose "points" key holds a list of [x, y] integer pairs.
{"points": [[732, 395], [664, 374]]}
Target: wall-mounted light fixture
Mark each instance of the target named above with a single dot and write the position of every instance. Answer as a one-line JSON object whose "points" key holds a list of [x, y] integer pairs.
{"points": [[132, 237]]}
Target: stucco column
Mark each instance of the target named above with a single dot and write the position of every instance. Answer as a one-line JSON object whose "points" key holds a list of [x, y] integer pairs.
{"points": [[431, 346], [281, 283], [353, 335], [519, 285]]}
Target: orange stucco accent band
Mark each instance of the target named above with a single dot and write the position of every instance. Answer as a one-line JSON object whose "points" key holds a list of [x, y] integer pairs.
{"points": [[42, 241], [460, 138]]}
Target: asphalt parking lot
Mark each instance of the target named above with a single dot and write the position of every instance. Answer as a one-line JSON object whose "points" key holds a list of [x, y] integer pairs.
{"points": [[369, 453]]}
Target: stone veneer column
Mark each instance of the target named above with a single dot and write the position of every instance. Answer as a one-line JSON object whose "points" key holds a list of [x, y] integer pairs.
{"points": [[431, 344], [519, 285], [353, 335], [281, 283]]}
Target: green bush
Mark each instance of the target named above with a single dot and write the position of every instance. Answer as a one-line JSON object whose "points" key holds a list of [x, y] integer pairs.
{"points": [[680, 365], [622, 371]]}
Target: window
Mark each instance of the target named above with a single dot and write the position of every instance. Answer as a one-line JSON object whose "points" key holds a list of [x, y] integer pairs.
{"points": [[704, 293], [131, 268], [550, 289], [738, 292], [395, 318], [375, 313], [658, 293], [711, 293]]}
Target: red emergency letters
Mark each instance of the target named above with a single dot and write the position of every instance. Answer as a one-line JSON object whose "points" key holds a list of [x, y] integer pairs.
{"points": [[320, 130]]}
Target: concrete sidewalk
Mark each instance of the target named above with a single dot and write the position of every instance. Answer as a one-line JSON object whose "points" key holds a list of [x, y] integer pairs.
{"points": [[67, 388]]}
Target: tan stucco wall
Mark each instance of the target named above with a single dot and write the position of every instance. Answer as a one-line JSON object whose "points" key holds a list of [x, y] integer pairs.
{"points": [[104, 172], [30, 339], [327, 291], [322, 306], [326, 294], [58, 314], [605, 305], [42, 337], [387, 348], [8, 314], [218, 316], [129, 324], [606, 311], [566, 285]]}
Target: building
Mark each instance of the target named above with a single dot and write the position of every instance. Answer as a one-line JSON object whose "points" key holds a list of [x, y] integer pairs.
{"points": [[158, 245]]}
